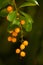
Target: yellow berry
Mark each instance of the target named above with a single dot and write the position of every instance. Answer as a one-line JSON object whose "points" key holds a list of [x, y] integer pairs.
{"points": [[14, 40], [7, 17], [17, 14], [22, 54], [22, 22], [17, 18], [9, 8], [9, 38], [14, 34], [17, 30], [17, 51], [25, 43], [22, 46], [10, 31]]}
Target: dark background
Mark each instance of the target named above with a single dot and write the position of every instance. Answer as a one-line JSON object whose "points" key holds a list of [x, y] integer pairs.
{"points": [[35, 37]]}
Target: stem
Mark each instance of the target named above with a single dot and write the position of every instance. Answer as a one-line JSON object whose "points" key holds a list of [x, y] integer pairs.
{"points": [[20, 25], [21, 34], [15, 5]]}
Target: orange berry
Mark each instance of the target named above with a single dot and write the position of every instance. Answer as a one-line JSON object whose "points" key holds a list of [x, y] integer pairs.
{"points": [[14, 34], [7, 17], [14, 40], [25, 43], [17, 51], [22, 22], [9, 8], [9, 38], [22, 54], [17, 30], [22, 46], [10, 31]]}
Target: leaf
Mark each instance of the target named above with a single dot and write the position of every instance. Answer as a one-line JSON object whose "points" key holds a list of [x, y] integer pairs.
{"points": [[11, 27], [28, 27], [3, 13], [11, 16], [16, 22], [28, 21], [4, 3], [29, 3], [28, 17]]}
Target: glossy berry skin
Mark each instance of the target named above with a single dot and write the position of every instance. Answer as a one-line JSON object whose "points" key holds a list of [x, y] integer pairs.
{"points": [[17, 30], [14, 34], [22, 22], [22, 54], [22, 46], [25, 43], [17, 51], [14, 40], [9, 38], [9, 8]]}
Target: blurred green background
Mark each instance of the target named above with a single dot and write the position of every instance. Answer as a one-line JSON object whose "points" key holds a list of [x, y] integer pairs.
{"points": [[35, 37]]}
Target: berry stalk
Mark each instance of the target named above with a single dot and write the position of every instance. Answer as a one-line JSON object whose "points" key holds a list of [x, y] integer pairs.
{"points": [[15, 6], [21, 33]]}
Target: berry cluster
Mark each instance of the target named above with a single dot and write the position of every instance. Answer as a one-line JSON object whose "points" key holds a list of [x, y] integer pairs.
{"points": [[22, 47], [15, 33]]}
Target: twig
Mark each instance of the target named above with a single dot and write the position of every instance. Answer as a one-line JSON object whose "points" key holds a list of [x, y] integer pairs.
{"points": [[15, 5]]}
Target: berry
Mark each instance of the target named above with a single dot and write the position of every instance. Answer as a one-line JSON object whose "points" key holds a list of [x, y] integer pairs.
{"points": [[14, 34], [22, 54], [17, 18], [22, 47], [17, 51], [17, 30], [17, 14], [22, 22], [7, 17], [10, 31], [9, 38], [14, 40], [25, 43], [9, 8]]}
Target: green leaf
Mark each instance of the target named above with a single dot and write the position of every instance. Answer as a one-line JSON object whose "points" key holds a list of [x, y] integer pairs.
{"points": [[4, 3], [27, 16], [28, 21], [3, 13], [11, 27], [12, 16], [16, 22], [29, 3], [28, 27]]}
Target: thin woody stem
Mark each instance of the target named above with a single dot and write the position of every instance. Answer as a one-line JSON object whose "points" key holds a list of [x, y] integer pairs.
{"points": [[20, 25], [15, 5], [21, 34]]}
